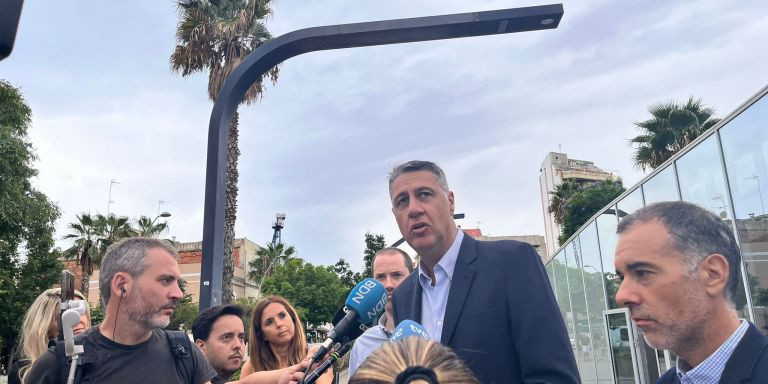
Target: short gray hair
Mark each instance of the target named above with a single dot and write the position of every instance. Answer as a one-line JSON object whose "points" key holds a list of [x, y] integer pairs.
{"points": [[419, 165], [129, 256], [695, 232]]}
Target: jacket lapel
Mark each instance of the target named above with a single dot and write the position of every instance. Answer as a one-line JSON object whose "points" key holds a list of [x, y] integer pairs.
{"points": [[463, 274], [415, 309], [747, 354]]}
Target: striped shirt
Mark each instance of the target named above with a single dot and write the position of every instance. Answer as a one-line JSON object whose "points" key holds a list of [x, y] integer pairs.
{"points": [[711, 369]]}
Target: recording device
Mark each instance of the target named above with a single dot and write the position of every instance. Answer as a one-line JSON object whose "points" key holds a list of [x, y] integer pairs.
{"points": [[409, 328], [325, 365], [67, 294], [366, 303]]}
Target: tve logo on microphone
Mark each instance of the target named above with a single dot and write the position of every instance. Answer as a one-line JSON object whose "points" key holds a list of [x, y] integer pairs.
{"points": [[408, 328]]}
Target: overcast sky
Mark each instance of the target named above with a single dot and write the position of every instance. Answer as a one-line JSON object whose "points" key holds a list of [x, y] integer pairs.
{"points": [[319, 146]]}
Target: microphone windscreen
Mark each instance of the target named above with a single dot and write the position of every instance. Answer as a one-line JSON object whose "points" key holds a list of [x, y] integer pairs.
{"points": [[408, 328], [353, 333], [367, 299]]}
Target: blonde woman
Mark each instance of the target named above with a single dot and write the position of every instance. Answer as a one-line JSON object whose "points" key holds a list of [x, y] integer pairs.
{"points": [[40, 330], [415, 361]]}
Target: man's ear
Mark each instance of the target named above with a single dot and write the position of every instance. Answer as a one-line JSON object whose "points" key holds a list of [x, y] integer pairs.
{"points": [[450, 199], [121, 284], [715, 270], [200, 344]]}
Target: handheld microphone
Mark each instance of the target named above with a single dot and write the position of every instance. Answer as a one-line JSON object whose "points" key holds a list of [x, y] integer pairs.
{"points": [[366, 303], [409, 328], [324, 367]]}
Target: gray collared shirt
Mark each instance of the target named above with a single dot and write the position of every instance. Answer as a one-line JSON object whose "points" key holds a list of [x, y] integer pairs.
{"points": [[434, 298], [368, 342], [711, 369]]}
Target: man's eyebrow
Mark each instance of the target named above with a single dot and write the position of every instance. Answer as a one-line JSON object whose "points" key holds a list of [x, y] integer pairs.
{"points": [[640, 265]]}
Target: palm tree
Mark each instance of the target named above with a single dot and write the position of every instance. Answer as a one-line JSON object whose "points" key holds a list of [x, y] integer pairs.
{"points": [[147, 227], [671, 127], [267, 258], [560, 196], [86, 235], [112, 229], [216, 35]]}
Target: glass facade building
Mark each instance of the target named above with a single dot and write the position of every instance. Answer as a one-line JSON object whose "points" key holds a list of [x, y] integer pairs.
{"points": [[726, 171]]}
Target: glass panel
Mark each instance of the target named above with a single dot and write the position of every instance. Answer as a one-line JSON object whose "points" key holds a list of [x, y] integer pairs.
{"points": [[561, 293], [606, 229], [630, 203], [551, 275], [583, 351], [662, 187], [593, 281], [702, 182], [745, 147], [621, 348]]}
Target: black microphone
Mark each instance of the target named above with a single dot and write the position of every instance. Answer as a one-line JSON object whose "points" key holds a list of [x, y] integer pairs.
{"points": [[366, 303], [324, 367]]}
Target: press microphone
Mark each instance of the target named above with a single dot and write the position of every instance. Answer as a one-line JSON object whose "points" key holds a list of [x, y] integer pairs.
{"points": [[409, 328], [324, 366], [366, 302]]}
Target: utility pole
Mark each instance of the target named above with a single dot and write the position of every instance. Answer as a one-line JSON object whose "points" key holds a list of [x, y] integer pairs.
{"points": [[109, 199]]}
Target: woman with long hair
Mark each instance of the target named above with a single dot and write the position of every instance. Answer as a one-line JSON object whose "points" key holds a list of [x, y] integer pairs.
{"points": [[415, 361], [276, 339], [40, 330]]}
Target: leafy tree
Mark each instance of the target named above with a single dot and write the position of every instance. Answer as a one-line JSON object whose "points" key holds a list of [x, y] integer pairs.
{"points": [[28, 262], [267, 258], [347, 278], [373, 244], [314, 290], [97, 315], [585, 202], [147, 227], [185, 313], [248, 304], [215, 36], [671, 127]]}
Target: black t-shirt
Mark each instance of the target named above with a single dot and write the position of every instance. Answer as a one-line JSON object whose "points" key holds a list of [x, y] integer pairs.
{"points": [[146, 363]]}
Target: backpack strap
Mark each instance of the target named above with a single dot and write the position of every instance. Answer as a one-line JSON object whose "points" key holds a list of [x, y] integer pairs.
{"points": [[181, 349]]}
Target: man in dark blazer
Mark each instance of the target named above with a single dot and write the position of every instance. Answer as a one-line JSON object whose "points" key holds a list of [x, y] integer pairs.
{"points": [[679, 265], [489, 301]]}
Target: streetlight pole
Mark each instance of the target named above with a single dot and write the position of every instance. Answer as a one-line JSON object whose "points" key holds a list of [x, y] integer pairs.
{"points": [[314, 39], [759, 191], [159, 203]]}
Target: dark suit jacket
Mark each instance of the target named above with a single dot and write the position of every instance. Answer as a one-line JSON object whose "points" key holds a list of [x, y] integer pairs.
{"points": [[748, 363], [501, 318]]}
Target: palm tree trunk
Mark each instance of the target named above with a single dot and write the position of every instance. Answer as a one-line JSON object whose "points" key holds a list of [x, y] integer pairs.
{"points": [[85, 285], [230, 213]]}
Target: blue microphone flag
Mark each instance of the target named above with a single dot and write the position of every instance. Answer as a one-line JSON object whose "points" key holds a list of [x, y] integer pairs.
{"points": [[367, 299], [408, 328]]}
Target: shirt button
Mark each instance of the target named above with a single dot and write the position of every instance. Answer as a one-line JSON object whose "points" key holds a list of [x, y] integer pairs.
{"points": [[439, 323]]}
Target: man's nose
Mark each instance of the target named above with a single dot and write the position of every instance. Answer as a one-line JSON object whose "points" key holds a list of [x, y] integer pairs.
{"points": [[176, 293], [415, 209], [625, 295]]}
